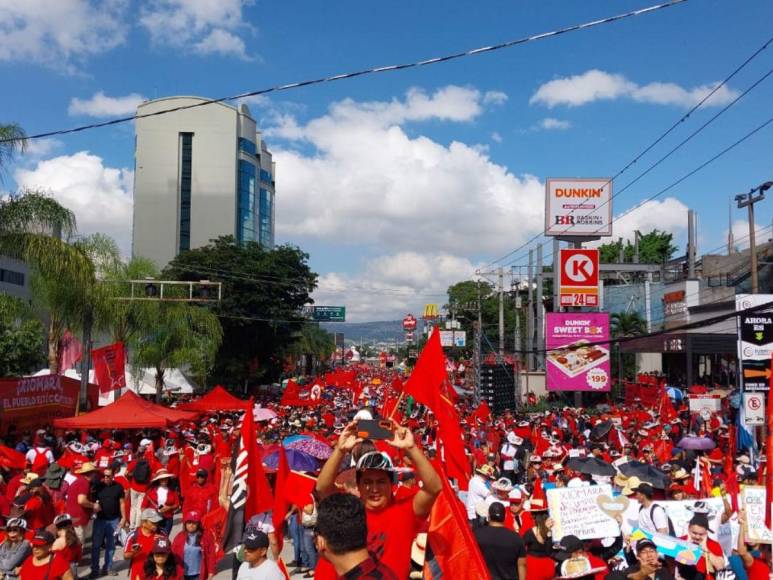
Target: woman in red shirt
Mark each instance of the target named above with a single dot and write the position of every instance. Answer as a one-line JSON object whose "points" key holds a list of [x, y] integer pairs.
{"points": [[67, 545], [39, 508], [160, 497], [161, 563], [43, 564]]}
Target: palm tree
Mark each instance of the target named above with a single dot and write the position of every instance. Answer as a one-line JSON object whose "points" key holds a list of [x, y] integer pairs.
{"points": [[627, 324], [314, 341], [13, 140]]}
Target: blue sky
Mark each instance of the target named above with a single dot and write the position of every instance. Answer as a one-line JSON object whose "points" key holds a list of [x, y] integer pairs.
{"points": [[401, 183]]}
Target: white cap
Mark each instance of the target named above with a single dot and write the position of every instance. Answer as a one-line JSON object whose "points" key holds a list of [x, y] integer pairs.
{"points": [[145, 442], [363, 415]]}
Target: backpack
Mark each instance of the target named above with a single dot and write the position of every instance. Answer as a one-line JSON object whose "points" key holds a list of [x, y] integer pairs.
{"points": [[141, 472], [671, 530], [40, 463]]}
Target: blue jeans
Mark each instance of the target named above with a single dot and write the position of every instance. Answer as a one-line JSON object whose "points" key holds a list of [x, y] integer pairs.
{"points": [[309, 549], [165, 526], [296, 535], [104, 531]]}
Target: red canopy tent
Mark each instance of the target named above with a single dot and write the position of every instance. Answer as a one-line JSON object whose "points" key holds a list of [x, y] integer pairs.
{"points": [[129, 412], [218, 399]]}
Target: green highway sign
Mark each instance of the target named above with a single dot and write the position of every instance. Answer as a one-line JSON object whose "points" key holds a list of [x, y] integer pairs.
{"points": [[329, 313]]}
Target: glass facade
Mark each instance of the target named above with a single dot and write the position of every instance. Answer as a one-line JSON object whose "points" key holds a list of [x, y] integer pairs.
{"points": [[265, 176], [248, 146], [266, 230], [186, 164], [247, 218]]}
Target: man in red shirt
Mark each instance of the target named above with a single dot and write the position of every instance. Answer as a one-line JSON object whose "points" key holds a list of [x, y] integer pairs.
{"points": [[77, 502], [712, 559], [139, 543], [392, 524], [201, 496]]}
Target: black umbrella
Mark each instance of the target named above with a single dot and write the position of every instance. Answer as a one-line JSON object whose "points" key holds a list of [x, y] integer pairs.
{"points": [[600, 430], [645, 472], [590, 466]]}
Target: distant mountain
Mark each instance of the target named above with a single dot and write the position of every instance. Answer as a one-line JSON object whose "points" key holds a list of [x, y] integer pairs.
{"points": [[384, 331]]}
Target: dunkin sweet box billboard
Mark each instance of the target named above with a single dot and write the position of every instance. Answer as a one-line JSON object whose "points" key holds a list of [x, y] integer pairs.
{"points": [[577, 358]]}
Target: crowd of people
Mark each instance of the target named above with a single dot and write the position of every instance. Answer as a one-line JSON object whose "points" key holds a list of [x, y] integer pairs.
{"points": [[76, 496]]}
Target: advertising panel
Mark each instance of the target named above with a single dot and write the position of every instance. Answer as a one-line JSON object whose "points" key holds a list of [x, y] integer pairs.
{"points": [[755, 341], [32, 402], [578, 207], [575, 360], [579, 277], [449, 338]]}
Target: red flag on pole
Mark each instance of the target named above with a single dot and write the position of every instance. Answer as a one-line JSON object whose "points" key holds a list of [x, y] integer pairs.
{"points": [[298, 487], [109, 364], [429, 374], [455, 550]]}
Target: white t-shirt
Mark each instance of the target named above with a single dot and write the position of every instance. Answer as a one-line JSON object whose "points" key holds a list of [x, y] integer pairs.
{"points": [[508, 453], [476, 493], [35, 451], [268, 570], [659, 516]]}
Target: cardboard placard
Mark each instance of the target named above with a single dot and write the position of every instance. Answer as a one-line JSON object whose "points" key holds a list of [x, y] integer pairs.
{"points": [[753, 501], [575, 511]]}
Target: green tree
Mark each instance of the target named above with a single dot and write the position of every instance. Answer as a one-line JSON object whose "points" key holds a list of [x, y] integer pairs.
{"points": [[21, 338], [264, 291], [656, 247], [314, 342], [621, 325], [13, 141]]}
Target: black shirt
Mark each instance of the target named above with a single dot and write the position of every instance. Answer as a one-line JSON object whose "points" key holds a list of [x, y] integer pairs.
{"points": [[370, 570], [110, 497], [662, 574], [501, 549]]}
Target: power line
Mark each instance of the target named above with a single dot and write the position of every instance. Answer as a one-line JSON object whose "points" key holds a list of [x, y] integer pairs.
{"points": [[368, 71], [663, 135]]}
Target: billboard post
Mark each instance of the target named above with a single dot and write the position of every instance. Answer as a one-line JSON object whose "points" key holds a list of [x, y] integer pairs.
{"points": [[578, 357]]}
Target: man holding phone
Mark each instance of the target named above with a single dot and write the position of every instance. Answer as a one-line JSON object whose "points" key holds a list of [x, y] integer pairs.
{"points": [[392, 523], [139, 543]]}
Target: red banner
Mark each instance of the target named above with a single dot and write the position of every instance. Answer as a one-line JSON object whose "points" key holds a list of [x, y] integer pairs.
{"points": [[32, 402], [109, 364]]}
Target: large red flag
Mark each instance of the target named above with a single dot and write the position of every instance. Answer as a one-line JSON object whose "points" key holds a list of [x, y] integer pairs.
{"points": [[109, 363], [281, 505], [429, 374], [70, 351], [250, 492], [298, 487], [455, 550], [291, 392]]}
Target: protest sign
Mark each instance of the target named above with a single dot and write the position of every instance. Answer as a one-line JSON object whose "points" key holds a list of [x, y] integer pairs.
{"points": [[753, 501], [680, 512], [575, 511], [30, 402], [682, 551]]}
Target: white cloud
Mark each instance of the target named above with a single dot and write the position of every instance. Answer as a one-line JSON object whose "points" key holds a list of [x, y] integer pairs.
{"points": [[37, 148], [393, 284], [596, 85], [762, 233], [669, 215], [100, 105], [398, 192], [59, 33], [549, 124], [494, 98], [495, 136], [207, 25], [100, 196]]}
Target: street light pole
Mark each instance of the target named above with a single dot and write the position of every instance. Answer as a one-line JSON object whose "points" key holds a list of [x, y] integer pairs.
{"points": [[748, 200]]}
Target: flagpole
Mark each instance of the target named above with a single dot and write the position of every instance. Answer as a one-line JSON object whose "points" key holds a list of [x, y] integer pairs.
{"points": [[397, 404]]}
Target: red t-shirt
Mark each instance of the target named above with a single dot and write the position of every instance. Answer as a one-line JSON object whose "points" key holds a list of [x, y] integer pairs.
{"points": [[58, 567], [145, 543], [72, 553], [759, 570], [80, 515], [713, 547]]}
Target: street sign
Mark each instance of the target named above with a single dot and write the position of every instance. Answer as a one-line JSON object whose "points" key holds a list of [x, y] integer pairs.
{"points": [[579, 278], [754, 408], [455, 338], [578, 207], [329, 313]]}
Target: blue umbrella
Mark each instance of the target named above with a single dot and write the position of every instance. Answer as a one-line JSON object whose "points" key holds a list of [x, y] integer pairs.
{"points": [[297, 460], [293, 438], [675, 394]]}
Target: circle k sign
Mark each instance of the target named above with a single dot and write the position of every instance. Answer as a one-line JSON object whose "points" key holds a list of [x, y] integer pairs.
{"points": [[580, 268]]}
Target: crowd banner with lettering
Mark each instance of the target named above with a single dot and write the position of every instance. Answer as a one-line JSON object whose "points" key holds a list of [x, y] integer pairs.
{"points": [[578, 511], [32, 402], [753, 501], [578, 354]]}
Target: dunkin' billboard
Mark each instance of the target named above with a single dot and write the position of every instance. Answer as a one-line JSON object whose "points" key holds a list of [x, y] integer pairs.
{"points": [[577, 357], [578, 207]]}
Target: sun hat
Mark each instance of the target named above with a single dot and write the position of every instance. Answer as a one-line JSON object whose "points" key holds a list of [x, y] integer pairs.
{"points": [[161, 474], [87, 467], [502, 484], [151, 515], [630, 484], [485, 470]]}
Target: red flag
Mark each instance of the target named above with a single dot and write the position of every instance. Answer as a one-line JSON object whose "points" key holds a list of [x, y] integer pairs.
{"points": [[12, 459], [70, 351], [298, 487], [281, 505], [291, 393], [429, 374], [450, 435], [109, 362], [250, 492], [390, 408], [731, 480], [283, 568], [667, 411], [456, 552], [214, 523], [483, 412]]}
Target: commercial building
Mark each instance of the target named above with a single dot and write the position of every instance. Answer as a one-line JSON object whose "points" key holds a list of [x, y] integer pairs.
{"points": [[14, 278], [201, 172]]}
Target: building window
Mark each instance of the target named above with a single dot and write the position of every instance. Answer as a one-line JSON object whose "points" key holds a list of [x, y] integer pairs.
{"points": [[248, 146], [246, 207], [186, 169], [265, 176], [12, 277], [265, 212]]}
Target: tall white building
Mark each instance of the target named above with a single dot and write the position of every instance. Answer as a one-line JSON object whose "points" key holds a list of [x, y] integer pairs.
{"points": [[200, 173]]}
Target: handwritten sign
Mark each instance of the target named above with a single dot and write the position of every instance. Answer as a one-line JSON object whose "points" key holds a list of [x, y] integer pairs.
{"points": [[753, 500], [682, 551], [575, 511]]}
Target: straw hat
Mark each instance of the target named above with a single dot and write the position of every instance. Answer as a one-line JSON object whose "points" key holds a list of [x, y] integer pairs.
{"points": [[485, 470], [632, 483], [161, 474], [87, 467], [680, 474]]}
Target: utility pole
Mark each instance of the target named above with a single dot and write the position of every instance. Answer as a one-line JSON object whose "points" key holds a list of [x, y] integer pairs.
{"points": [[530, 315], [748, 200], [540, 310], [501, 280]]}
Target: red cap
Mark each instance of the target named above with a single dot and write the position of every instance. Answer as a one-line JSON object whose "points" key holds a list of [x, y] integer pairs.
{"points": [[192, 516]]}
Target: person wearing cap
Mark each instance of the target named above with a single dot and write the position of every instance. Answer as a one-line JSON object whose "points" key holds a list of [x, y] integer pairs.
{"points": [[201, 495], [521, 519], [79, 503], [161, 562], [162, 498], [194, 547], [110, 518], [478, 490], [39, 508], [712, 557], [66, 545], [14, 549], [43, 564], [652, 516], [391, 523], [342, 539], [256, 565], [648, 566], [139, 542], [503, 550]]}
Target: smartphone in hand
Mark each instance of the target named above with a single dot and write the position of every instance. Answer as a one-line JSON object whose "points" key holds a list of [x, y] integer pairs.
{"points": [[372, 429]]}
